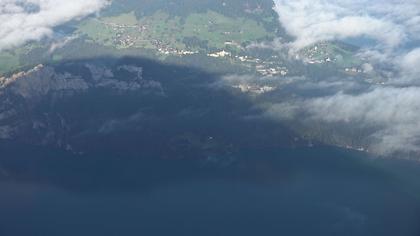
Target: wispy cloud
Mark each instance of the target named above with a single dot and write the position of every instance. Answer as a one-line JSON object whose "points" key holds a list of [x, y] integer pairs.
{"points": [[382, 117], [410, 65], [26, 20], [391, 23], [387, 117]]}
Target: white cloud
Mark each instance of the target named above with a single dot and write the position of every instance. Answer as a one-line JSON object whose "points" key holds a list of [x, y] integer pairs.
{"points": [[385, 118], [388, 30], [410, 63], [25, 20], [391, 23], [388, 116], [61, 43]]}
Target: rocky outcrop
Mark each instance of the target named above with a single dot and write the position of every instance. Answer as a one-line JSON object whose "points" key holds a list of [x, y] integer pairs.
{"points": [[41, 80], [22, 94]]}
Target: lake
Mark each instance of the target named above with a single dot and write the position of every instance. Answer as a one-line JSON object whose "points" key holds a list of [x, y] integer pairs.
{"points": [[305, 191]]}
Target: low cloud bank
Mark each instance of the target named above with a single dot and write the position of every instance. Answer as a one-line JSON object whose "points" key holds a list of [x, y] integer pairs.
{"points": [[386, 117], [388, 32], [26, 20], [391, 23], [381, 117]]}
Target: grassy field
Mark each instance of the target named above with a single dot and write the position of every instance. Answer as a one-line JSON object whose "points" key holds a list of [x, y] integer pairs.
{"points": [[218, 29], [8, 62], [129, 19], [97, 32], [14, 59], [343, 56], [160, 30], [348, 58]]}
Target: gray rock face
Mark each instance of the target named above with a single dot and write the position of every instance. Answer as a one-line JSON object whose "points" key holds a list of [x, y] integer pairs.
{"points": [[39, 81], [104, 78], [22, 93]]}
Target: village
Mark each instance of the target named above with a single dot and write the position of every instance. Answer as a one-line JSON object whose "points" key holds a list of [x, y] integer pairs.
{"points": [[130, 35]]}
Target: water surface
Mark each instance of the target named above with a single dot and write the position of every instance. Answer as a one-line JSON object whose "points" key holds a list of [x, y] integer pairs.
{"points": [[318, 191]]}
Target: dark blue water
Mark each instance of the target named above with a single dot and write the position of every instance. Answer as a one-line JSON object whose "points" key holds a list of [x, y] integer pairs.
{"points": [[320, 191]]}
